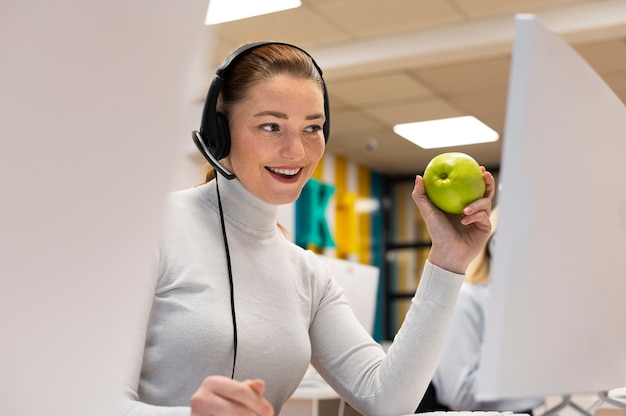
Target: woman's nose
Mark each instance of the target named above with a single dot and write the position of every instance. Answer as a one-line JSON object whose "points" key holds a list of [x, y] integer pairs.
{"points": [[293, 147]]}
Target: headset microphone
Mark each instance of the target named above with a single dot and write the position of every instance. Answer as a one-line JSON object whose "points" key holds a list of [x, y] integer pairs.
{"points": [[197, 139]]}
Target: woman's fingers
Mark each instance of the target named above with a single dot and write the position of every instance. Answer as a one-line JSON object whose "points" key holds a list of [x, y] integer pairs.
{"points": [[483, 204], [218, 395], [261, 406]]}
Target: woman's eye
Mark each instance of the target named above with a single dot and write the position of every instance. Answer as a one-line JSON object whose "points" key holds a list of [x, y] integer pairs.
{"points": [[269, 127], [313, 129]]}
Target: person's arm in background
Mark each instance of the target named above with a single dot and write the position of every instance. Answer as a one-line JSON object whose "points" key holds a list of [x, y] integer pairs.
{"points": [[455, 377]]}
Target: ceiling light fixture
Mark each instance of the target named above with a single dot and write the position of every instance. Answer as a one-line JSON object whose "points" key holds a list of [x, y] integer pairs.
{"points": [[221, 11], [456, 131]]}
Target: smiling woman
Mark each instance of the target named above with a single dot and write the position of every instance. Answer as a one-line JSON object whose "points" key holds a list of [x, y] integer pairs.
{"points": [[239, 311]]}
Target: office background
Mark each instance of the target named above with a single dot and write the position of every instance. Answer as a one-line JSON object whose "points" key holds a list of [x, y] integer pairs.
{"points": [[397, 62]]}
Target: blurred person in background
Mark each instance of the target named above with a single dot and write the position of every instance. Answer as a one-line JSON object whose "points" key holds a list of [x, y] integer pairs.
{"points": [[454, 384]]}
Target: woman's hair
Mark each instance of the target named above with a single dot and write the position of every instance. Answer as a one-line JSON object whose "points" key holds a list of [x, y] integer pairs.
{"points": [[258, 65], [479, 269]]}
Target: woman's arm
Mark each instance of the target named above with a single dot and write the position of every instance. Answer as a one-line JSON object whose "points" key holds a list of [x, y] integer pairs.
{"points": [[371, 381]]}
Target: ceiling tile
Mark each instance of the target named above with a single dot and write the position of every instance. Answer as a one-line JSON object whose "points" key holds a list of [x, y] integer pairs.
{"points": [[617, 82], [366, 18], [605, 57], [301, 26], [489, 8], [495, 121], [349, 122], [482, 103], [428, 109], [380, 88], [467, 76], [336, 103]]}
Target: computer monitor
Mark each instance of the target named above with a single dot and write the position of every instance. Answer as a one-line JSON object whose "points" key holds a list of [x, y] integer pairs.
{"points": [[360, 285], [558, 301]]}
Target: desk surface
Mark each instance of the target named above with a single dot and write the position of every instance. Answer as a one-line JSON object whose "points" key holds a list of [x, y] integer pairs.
{"points": [[319, 391]]}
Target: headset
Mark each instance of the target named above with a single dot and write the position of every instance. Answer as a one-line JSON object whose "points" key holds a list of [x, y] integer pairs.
{"points": [[213, 138]]}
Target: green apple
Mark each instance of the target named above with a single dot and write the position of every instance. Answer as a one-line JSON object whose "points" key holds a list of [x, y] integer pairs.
{"points": [[453, 180]]}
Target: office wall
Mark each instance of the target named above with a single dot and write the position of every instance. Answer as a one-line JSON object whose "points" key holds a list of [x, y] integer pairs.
{"points": [[353, 211]]}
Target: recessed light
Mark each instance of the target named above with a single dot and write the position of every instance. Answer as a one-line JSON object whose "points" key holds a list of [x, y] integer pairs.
{"points": [[221, 11], [446, 132]]}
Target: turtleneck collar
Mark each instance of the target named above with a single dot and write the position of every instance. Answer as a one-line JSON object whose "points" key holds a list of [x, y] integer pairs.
{"points": [[240, 205]]}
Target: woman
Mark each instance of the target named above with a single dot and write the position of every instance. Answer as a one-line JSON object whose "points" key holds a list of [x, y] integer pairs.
{"points": [[239, 311], [455, 377]]}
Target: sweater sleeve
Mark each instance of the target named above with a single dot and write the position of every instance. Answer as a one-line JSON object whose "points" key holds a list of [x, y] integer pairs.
{"points": [[375, 383]]}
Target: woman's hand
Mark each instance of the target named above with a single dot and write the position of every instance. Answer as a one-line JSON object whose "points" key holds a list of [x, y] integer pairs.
{"points": [[456, 239], [218, 395]]}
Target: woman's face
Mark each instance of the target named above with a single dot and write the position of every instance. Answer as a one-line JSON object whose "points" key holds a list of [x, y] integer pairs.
{"points": [[276, 137]]}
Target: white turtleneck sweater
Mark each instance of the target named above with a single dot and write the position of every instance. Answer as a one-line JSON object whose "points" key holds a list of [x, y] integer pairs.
{"points": [[289, 312]]}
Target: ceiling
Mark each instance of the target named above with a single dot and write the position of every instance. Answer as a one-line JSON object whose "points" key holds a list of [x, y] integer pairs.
{"points": [[395, 61]]}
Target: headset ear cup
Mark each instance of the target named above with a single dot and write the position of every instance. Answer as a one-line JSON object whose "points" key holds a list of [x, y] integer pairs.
{"points": [[222, 145]]}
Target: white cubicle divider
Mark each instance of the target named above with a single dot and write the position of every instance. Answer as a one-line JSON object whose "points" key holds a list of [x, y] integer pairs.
{"points": [[360, 285], [94, 103], [559, 289]]}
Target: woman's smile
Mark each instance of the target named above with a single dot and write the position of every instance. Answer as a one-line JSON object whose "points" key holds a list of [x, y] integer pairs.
{"points": [[284, 173]]}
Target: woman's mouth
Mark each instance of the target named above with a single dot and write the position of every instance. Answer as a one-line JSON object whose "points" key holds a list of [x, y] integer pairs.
{"points": [[285, 173]]}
